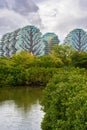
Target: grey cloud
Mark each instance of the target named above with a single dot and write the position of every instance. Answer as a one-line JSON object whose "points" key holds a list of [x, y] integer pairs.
{"points": [[61, 17], [83, 4], [69, 14], [24, 7], [10, 21], [69, 24], [34, 19], [18, 13], [21, 6], [39, 1]]}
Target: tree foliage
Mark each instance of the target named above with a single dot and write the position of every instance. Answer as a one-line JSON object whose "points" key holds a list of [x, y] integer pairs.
{"points": [[79, 59], [63, 54], [65, 101], [64, 71], [65, 96], [25, 69]]}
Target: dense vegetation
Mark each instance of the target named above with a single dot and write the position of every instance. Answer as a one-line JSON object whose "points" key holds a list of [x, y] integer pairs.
{"points": [[65, 96], [65, 101], [25, 69], [64, 71]]}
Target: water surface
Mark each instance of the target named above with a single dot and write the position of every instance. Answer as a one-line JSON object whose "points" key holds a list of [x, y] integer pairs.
{"points": [[20, 108]]}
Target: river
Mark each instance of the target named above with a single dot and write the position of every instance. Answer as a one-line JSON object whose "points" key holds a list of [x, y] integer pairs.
{"points": [[20, 108]]}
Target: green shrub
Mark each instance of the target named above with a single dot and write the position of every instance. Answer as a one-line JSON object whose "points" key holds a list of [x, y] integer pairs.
{"points": [[65, 101]]}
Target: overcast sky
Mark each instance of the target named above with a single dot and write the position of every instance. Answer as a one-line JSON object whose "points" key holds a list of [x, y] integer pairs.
{"points": [[59, 16]]}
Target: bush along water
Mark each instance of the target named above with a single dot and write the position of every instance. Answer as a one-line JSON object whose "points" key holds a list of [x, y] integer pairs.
{"points": [[65, 101]]}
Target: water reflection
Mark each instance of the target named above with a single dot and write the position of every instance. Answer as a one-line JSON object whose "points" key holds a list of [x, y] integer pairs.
{"points": [[20, 108]]}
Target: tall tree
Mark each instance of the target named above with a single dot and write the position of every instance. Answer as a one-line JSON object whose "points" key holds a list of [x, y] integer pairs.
{"points": [[30, 37], [77, 39]]}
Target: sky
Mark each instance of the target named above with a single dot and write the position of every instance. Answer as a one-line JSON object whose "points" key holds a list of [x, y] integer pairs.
{"points": [[58, 16]]}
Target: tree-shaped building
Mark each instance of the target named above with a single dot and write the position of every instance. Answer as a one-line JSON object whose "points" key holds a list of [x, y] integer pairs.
{"points": [[49, 40], [77, 39], [28, 38], [31, 40]]}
